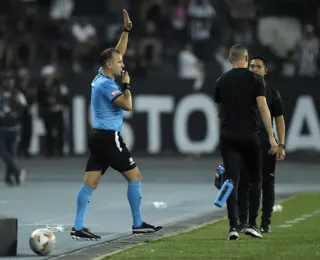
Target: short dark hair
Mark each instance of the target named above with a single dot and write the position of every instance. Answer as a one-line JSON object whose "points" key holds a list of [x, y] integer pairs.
{"points": [[107, 55], [264, 60], [238, 52]]}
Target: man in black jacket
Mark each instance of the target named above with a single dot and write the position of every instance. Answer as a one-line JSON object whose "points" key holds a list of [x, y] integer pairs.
{"points": [[12, 106]]}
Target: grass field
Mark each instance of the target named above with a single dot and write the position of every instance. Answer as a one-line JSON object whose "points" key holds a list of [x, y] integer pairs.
{"points": [[300, 241]]}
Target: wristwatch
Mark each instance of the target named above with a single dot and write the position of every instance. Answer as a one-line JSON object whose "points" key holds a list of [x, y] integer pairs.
{"points": [[282, 145]]}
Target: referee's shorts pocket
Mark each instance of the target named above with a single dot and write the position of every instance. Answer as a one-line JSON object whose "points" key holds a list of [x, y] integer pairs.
{"points": [[120, 158]]}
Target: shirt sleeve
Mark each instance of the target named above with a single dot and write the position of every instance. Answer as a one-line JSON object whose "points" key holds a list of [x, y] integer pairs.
{"points": [[277, 107], [111, 91], [259, 85], [217, 95]]}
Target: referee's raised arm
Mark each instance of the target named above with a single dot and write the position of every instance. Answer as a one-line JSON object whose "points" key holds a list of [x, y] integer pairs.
{"points": [[127, 26], [123, 41]]}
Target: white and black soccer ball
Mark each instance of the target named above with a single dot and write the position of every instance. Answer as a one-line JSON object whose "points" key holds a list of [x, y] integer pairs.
{"points": [[42, 241]]}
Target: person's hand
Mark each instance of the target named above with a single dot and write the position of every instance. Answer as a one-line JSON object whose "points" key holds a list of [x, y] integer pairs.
{"points": [[274, 145], [126, 78], [126, 20], [281, 154]]}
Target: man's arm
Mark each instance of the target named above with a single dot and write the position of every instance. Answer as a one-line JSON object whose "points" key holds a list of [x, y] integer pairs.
{"points": [[260, 94], [277, 112], [124, 101], [123, 42], [217, 98], [281, 129], [265, 114]]}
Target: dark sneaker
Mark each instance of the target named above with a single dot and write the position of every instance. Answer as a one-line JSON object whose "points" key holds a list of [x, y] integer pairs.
{"points": [[146, 228], [233, 234], [85, 228], [242, 227], [265, 228], [253, 231], [83, 234]]}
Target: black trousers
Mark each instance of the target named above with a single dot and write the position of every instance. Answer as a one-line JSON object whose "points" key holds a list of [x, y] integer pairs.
{"points": [[235, 150], [54, 125], [8, 147], [26, 133], [268, 194]]}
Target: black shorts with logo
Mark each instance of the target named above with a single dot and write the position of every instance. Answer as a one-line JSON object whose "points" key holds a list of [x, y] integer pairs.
{"points": [[106, 148]]}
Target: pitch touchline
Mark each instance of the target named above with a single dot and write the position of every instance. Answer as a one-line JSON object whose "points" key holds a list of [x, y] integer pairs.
{"points": [[303, 217]]}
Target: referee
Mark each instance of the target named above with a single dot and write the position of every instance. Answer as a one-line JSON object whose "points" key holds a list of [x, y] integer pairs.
{"points": [[258, 65], [240, 95], [106, 146]]}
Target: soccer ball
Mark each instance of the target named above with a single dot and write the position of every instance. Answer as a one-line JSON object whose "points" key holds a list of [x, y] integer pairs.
{"points": [[42, 241]]}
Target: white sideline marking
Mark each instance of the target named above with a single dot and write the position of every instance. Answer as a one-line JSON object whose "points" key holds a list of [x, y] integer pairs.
{"points": [[285, 226], [301, 218], [306, 216], [291, 222]]}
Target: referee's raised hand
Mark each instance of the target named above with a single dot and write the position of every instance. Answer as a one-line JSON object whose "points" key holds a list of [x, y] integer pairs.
{"points": [[125, 78], [274, 146], [126, 20]]}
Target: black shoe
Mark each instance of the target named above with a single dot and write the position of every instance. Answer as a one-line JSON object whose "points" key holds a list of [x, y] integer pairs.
{"points": [[83, 234], [146, 228], [84, 228], [242, 227], [233, 234], [253, 231], [265, 227]]}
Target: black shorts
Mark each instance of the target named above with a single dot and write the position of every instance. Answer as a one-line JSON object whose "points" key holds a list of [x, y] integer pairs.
{"points": [[106, 148]]}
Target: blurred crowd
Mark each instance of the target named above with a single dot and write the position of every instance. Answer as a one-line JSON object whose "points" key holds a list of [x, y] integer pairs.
{"points": [[183, 37], [43, 42]]}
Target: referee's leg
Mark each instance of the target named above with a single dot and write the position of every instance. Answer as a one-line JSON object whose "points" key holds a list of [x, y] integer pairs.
{"points": [[268, 193], [232, 162], [97, 164], [122, 161]]}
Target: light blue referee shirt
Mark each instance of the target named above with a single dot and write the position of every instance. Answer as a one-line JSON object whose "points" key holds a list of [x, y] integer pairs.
{"points": [[106, 115]]}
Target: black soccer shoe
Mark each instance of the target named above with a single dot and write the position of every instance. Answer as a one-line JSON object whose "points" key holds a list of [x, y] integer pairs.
{"points": [[233, 234], [265, 227], [85, 228], [253, 231], [84, 234], [146, 228]]}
